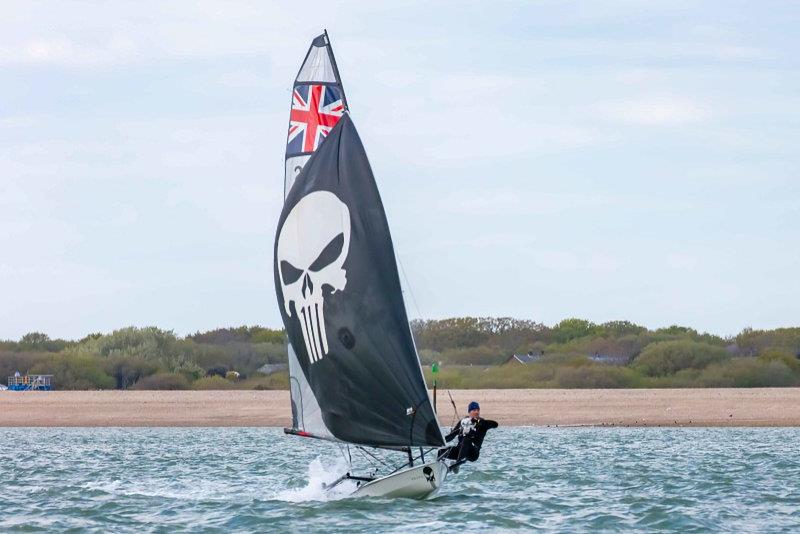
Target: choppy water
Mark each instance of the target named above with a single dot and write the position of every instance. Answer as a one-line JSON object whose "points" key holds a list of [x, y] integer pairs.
{"points": [[574, 479]]}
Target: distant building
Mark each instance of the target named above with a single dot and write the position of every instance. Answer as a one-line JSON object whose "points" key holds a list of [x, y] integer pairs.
{"points": [[271, 368]]}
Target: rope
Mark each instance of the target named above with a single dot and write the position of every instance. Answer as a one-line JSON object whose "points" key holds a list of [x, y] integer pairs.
{"points": [[455, 410], [364, 451], [408, 285]]}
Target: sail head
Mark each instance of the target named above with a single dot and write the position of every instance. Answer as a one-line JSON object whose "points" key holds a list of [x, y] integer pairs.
{"points": [[318, 102]]}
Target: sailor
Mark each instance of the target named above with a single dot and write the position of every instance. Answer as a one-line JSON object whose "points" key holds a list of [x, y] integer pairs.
{"points": [[470, 431]]}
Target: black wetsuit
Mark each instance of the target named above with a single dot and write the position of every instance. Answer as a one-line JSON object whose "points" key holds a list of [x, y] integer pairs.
{"points": [[470, 434]]}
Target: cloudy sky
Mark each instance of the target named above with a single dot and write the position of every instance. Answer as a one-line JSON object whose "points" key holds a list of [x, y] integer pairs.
{"points": [[543, 160]]}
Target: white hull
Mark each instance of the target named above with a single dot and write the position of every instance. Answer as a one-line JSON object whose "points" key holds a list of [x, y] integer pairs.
{"points": [[416, 482]]}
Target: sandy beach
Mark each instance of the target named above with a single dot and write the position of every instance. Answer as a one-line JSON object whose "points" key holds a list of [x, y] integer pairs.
{"points": [[620, 407]]}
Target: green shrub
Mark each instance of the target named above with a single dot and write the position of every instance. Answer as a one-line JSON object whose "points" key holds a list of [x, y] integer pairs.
{"points": [[244, 357], [127, 370], [479, 355], [616, 329], [752, 342], [668, 357], [75, 371], [267, 335], [12, 361], [595, 377], [150, 343], [274, 381], [685, 378], [449, 333], [455, 376], [39, 342], [239, 334], [558, 359], [777, 355], [573, 328], [569, 329], [163, 381], [213, 382], [748, 373], [428, 356], [515, 376], [505, 333], [190, 370]]}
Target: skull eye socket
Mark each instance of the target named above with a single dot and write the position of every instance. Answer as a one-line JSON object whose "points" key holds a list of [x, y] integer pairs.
{"points": [[289, 272], [331, 251]]}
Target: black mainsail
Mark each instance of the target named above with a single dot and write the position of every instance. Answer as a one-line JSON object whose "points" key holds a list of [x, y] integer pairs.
{"points": [[354, 371]]}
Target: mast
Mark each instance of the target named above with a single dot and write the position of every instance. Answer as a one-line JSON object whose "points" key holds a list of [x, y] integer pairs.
{"points": [[317, 82]]}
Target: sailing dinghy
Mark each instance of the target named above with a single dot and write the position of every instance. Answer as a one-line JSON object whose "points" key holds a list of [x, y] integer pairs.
{"points": [[355, 376]]}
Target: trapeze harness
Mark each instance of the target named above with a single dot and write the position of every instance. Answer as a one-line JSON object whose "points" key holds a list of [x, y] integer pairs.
{"points": [[470, 434]]}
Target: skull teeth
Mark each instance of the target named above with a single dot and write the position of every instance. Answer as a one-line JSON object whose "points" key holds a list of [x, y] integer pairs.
{"points": [[313, 245], [321, 327], [313, 327], [307, 334]]}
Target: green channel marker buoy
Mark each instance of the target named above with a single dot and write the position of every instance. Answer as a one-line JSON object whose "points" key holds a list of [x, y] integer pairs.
{"points": [[434, 372]]}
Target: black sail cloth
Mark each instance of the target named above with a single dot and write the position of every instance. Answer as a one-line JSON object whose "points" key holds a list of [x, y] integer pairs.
{"points": [[341, 303]]}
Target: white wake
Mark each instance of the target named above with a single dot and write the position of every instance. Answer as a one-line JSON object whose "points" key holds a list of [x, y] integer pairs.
{"points": [[319, 474]]}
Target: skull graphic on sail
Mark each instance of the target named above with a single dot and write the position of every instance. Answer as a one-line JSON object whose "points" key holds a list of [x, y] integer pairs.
{"points": [[312, 248]]}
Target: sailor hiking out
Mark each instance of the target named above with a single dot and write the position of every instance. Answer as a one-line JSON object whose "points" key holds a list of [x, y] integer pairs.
{"points": [[470, 431]]}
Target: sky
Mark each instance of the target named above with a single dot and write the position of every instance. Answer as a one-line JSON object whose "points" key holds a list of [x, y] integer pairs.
{"points": [[541, 160]]}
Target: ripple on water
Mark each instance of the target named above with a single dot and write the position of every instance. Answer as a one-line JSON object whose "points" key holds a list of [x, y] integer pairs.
{"points": [[528, 478]]}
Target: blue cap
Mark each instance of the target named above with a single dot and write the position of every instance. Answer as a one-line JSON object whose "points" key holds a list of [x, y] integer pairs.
{"points": [[473, 406]]}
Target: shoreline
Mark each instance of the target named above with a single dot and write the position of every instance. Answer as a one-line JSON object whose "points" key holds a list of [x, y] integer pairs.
{"points": [[715, 407]]}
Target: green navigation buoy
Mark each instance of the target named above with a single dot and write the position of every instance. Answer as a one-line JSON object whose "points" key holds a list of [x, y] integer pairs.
{"points": [[434, 372]]}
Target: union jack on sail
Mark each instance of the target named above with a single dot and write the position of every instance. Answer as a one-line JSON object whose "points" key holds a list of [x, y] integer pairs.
{"points": [[316, 109]]}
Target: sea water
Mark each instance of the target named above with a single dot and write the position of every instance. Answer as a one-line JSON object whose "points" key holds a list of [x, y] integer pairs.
{"points": [[559, 479]]}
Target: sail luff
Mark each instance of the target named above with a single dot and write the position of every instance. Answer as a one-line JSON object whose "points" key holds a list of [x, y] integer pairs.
{"points": [[306, 413], [336, 69]]}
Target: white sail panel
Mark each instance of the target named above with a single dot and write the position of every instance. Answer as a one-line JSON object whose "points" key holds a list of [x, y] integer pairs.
{"points": [[294, 165], [318, 66], [306, 414]]}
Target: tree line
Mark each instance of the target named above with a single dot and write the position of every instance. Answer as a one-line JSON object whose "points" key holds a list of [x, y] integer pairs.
{"points": [[474, 352], [151, 358]]}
